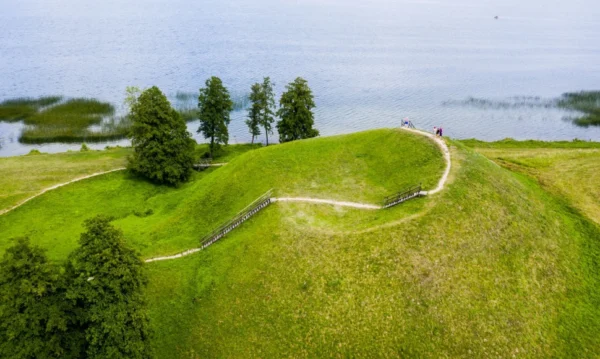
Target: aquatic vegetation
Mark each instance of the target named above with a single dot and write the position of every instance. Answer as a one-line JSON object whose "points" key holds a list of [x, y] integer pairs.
{"points": [[509, 103], [20, 108], [47, 119], [586, 102]]}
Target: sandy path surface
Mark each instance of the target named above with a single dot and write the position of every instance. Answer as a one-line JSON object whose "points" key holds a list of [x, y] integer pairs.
{"points": [[445, 151], [326, 201]]}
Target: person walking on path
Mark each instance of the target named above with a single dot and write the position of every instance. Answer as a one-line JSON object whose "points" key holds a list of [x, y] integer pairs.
{"points": [[435, 131], [440, 130]]}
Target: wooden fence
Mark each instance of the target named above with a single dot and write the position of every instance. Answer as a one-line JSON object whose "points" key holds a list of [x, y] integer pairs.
{"points": [[203, 164], [253, 208], [411, 192]]}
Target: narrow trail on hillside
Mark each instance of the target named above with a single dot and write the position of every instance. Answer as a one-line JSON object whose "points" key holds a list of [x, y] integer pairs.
{"points": [[445, 152], [326, 201], [77, 179], [4, 211], [442, 182]]}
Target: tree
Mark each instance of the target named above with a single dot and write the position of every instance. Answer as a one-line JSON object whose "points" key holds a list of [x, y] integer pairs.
{"points": [[253, 120], [214, 108], [32, 323], [131, 96], [163, 150], [267, 107], [106, 284], [295, 111]]}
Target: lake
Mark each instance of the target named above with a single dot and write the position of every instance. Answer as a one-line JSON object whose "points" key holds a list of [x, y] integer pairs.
{"points": [[369, 63]]}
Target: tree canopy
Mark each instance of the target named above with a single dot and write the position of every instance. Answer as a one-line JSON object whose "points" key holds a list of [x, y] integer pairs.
{"points": [[106, 288], [163, 150], [32, 321], [297, 118], [214, 108]]}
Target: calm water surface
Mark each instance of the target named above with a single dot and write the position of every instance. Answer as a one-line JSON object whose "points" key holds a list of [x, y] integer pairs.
{"points": [[369, 63]]}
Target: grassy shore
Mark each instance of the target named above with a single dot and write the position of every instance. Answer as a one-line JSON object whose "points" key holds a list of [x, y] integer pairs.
{"points": [[493, 266]]}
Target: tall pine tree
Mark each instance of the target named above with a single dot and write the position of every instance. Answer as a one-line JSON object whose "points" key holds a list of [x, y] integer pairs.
{"points": [[297, 118], [253, 120], [267, 107]]}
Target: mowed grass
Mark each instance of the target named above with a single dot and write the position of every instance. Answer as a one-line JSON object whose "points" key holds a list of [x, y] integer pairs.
{"points": [[160, 220], [571, 172], [494, 267]]}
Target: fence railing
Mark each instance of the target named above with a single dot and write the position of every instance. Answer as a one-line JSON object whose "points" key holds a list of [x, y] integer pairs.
{"points": [[202, 164], [408, 193], [250, 210]]}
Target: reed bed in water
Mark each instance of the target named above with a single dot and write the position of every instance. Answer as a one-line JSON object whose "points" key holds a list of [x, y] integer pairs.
{"points": [[20, 108], [587, 102], [47, 119], [113, 129]]}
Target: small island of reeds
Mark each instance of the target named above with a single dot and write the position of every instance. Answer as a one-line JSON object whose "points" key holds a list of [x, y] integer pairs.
{"points": [[52, 119]]}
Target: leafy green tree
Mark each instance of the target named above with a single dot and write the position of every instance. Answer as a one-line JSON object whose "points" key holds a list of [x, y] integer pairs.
{"points": [[297, 118], [106, 289], [214, 108], [131, 95], [253, 120], [32, 320], [163, 150]]}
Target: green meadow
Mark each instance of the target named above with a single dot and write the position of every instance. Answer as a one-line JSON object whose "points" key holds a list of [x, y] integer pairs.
{"points": [[570, 170], [498, 264]]}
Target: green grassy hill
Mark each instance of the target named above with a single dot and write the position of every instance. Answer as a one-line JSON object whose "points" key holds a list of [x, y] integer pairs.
{"points": [[493, 266], [159, 220]]}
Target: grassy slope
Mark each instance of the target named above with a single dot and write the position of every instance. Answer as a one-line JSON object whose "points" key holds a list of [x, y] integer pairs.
{"points": [[571, 172], [496, 267], [25, 176], [359, 167]]}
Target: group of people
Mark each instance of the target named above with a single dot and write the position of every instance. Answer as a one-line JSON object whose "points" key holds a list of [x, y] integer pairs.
{"points": [[438, 131]]}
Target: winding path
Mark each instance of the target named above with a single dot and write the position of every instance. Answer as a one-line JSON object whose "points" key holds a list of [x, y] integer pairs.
{"points": [[442, 182], [440, 186]]}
